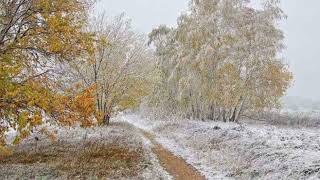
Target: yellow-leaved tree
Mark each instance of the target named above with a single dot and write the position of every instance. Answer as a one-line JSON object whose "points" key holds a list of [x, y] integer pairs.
{"points": [[35, 36], [221, 61]]}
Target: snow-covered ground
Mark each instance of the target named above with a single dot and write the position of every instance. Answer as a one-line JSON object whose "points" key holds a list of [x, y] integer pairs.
{"points": [[231, 151], [74, 140]]}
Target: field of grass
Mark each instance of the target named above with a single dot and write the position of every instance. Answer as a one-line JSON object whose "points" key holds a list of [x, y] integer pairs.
{"points": [[116, 152]]}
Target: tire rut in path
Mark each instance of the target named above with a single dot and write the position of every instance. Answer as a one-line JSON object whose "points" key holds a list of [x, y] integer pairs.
{"points": [[174, 165]]}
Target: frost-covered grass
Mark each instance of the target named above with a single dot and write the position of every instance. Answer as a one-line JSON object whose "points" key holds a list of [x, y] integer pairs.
{"points": [[231, 151], [292, 119], [116, 152]]}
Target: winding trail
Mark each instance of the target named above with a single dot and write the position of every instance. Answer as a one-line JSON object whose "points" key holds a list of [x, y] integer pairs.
{"points": [[175, 166]]}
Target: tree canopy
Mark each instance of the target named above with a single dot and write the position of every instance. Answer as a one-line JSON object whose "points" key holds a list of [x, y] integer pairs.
{"points": [[35, 36], [221, 60]]}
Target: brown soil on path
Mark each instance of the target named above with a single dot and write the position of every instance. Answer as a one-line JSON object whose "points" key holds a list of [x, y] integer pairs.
{"points": [[176, 166]]}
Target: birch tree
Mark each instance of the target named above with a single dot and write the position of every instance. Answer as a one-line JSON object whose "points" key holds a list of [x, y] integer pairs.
{"points": [[225, 60]]}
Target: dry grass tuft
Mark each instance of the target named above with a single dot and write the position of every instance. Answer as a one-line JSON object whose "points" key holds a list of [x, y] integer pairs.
{"points": [[74, 160], [103, 161]]}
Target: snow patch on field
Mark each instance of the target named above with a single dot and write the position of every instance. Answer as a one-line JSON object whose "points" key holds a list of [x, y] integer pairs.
{"points": [[231, 151], [120, 134]]}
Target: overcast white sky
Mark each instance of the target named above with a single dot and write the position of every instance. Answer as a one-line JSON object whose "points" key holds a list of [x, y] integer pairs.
{"points": [[302, 30]]}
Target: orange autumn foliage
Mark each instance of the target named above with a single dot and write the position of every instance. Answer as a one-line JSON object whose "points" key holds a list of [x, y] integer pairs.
{"points": [[79, 107], [35, 36]]}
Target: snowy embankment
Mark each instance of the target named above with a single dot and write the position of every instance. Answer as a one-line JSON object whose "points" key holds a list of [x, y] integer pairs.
{"points": [[231, 151], [115, 152]]}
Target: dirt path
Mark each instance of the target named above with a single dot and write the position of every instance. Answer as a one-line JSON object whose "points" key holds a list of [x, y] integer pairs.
{"points": [[176, 166]]}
